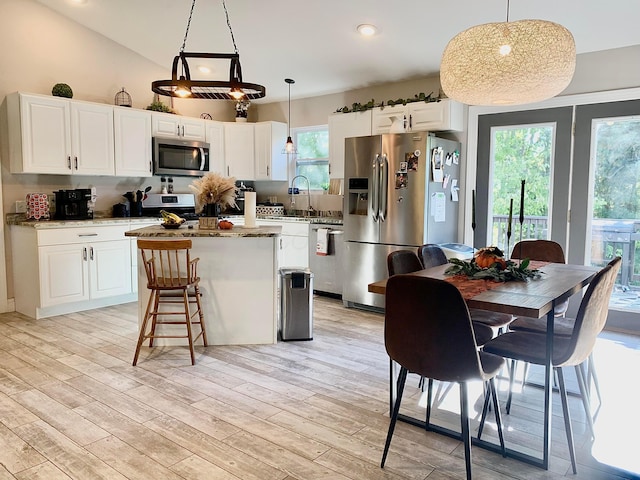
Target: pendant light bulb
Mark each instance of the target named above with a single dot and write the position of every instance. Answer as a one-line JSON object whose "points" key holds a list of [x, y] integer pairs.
{"points": [[236, 93], [182, 89], [289, 147]]}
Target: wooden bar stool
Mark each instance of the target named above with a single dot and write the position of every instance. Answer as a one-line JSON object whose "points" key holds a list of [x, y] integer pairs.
{"points": [[172, 278]]}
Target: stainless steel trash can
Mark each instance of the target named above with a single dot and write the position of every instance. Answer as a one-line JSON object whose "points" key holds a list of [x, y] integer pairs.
{"points": [[296, 304]]}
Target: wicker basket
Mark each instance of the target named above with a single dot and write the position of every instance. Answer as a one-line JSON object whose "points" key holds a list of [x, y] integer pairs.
{"points": [[208, 223]]}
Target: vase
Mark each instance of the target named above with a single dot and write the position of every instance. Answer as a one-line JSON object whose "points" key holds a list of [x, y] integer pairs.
{"points": [[209, 218], [241, 119]]}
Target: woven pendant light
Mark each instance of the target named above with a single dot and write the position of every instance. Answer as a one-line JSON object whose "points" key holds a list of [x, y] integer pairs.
{"points": [[508, 63]]}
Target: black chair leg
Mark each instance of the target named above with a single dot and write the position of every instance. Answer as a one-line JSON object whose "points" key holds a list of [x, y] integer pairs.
{"points": [[402, 378], [485, 409], [429, 395], [466, 433], [567, 418], [512, 374], [496, 407]]}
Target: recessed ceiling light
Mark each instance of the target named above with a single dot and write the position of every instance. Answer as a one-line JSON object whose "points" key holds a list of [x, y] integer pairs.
{"points": [[367, 30], [204, 69], [79, 2]]}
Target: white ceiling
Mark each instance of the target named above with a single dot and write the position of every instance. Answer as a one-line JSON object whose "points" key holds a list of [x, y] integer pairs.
{"points": [[315, 42]]}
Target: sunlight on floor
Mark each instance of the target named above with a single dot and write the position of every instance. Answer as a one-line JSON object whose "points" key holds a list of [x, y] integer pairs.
{"points": [[618, 420]]}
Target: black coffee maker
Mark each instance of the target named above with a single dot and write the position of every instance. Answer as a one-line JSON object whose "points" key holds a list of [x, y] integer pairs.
{"points": [[73, 204]]}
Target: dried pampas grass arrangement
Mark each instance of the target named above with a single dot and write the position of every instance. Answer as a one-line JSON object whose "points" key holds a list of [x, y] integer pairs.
{"points": [[214, 188]]}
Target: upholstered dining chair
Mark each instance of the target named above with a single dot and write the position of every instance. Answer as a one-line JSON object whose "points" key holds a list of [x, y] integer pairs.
{"points": [[431, 255], [570, 350], [407, 261], [547, 251], [431, 335]]}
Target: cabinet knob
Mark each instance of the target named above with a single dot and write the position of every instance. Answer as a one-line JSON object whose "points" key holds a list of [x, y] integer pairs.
{"points": [[91, 252], [84, 254], [69, 162], [75, 161]]}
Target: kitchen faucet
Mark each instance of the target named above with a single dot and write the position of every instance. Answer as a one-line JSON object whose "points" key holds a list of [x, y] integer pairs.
{"points": [[293, 202]]}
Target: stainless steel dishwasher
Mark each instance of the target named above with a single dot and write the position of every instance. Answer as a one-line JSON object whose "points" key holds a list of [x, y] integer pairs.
{"points": [[327, 269]]}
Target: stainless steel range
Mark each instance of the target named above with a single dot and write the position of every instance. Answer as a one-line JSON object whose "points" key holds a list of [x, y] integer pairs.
{"points": [[183, 204]]}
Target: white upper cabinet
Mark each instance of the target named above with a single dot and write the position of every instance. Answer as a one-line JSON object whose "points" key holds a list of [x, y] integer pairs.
{"points": [[39, 134], [215, 138], [132, 131], [59, 136], [341, 126], [176, 126], [92, 139], [239, 140], [445, 115], [271, 163]]}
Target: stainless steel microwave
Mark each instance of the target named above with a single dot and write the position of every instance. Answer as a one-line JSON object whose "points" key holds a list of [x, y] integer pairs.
{"points": [[172, 156]]}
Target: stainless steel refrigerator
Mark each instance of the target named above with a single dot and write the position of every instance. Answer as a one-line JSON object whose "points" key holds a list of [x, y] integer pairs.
{"points": [[400, 192]]}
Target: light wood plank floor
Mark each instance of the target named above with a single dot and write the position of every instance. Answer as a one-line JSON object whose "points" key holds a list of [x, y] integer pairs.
{"points": [[72, 406]]}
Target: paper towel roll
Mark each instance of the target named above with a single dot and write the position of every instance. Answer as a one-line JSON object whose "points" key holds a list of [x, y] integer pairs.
{"points": [[250, 209]]}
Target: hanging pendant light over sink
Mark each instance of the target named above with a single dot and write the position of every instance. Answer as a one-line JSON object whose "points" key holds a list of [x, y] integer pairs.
{"points": [[508, 63], [183, 86], [289, 147]]}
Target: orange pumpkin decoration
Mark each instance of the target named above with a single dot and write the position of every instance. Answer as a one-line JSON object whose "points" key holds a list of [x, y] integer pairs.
{"points": [[225, 225], [486, 257]]}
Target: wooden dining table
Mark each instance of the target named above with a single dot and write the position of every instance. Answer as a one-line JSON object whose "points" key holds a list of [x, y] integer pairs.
{"points": [[534, 298]]}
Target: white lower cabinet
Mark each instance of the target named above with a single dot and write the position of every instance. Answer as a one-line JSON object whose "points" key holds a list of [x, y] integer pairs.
{"points": [[293, 243], [63, 270], [77, 272]]}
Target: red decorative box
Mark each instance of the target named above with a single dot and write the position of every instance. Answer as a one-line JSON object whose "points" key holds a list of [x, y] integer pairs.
{"points": [[37, 206]]}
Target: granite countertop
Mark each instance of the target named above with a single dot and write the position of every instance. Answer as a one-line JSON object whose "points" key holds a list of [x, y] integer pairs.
{"points": [[289, 218], [20, 220], [186, 231]]}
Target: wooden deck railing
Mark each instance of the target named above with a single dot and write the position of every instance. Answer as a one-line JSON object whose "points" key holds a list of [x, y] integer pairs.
{"points": [[609, 238]]}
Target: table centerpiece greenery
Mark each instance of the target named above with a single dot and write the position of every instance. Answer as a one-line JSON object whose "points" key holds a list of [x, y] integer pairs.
{"points": [[488, 263]]}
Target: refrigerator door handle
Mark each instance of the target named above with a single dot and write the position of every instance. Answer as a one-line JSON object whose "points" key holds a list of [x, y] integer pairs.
{"points": [[374, 189], [382, 188]]}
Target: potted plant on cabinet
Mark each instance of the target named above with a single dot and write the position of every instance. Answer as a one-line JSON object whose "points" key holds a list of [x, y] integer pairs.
{"points": [[242, 110]]}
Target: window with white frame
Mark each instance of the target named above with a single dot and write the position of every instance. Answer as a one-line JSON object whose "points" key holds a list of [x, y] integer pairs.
{"points": [[312, 160]]}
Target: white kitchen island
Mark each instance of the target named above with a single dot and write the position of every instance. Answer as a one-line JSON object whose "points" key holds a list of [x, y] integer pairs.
{"points": [[238, 272]]}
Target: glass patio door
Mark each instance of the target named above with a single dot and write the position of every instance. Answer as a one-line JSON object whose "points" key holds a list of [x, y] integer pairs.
{"points": [[533, 146], [606, 200]]}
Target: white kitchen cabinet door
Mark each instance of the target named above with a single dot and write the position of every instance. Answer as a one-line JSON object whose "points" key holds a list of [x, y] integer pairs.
{"points": [[92, 143], [63, 274], [132, 139], [109, 268], [239, 152], [341, 126], [39, 134], [295, 251], [445, 115], [215, 138], [165, 125], [293, 242], [271, 163], [381, 118], [176, 126], [192, 128]]}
